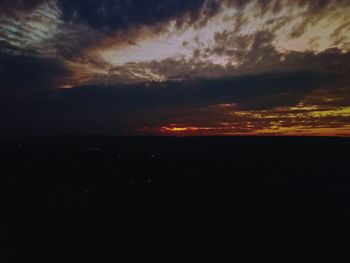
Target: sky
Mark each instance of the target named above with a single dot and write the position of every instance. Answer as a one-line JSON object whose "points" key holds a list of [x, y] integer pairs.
{"points": [[175, 67]]}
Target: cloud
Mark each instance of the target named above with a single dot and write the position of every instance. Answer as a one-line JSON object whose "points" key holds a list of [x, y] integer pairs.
{"points": [[249, 92], [220, 106], [131, 106], [31, 27], [30, 72], [112, 15], [13, 6], [222, 66]]}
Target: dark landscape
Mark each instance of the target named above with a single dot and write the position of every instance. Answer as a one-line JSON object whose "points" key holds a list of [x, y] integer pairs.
{"points": [[137, 181], [96, 171]]}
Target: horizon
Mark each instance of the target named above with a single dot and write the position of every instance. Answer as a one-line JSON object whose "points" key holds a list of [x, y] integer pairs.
{"points": [[172, 135], [43, 138]]}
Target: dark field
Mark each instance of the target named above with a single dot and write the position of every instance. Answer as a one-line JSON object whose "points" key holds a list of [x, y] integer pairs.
{"points": [[143, 183]]}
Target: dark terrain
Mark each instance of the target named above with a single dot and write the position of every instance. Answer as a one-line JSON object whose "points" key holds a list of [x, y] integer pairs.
{"points": [[137, 183]]}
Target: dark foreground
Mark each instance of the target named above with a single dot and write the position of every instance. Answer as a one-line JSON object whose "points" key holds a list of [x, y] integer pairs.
{"points": [[52, 188]]}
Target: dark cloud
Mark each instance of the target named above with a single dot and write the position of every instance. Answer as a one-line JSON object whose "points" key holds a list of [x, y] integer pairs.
{"points": [[121, 107], [30, 72], [114, 15], [256, 52], [9, 7], [256, 91]]}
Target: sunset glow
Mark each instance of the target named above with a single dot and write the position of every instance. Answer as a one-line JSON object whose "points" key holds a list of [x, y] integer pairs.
{"points": [[201, 67]]}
